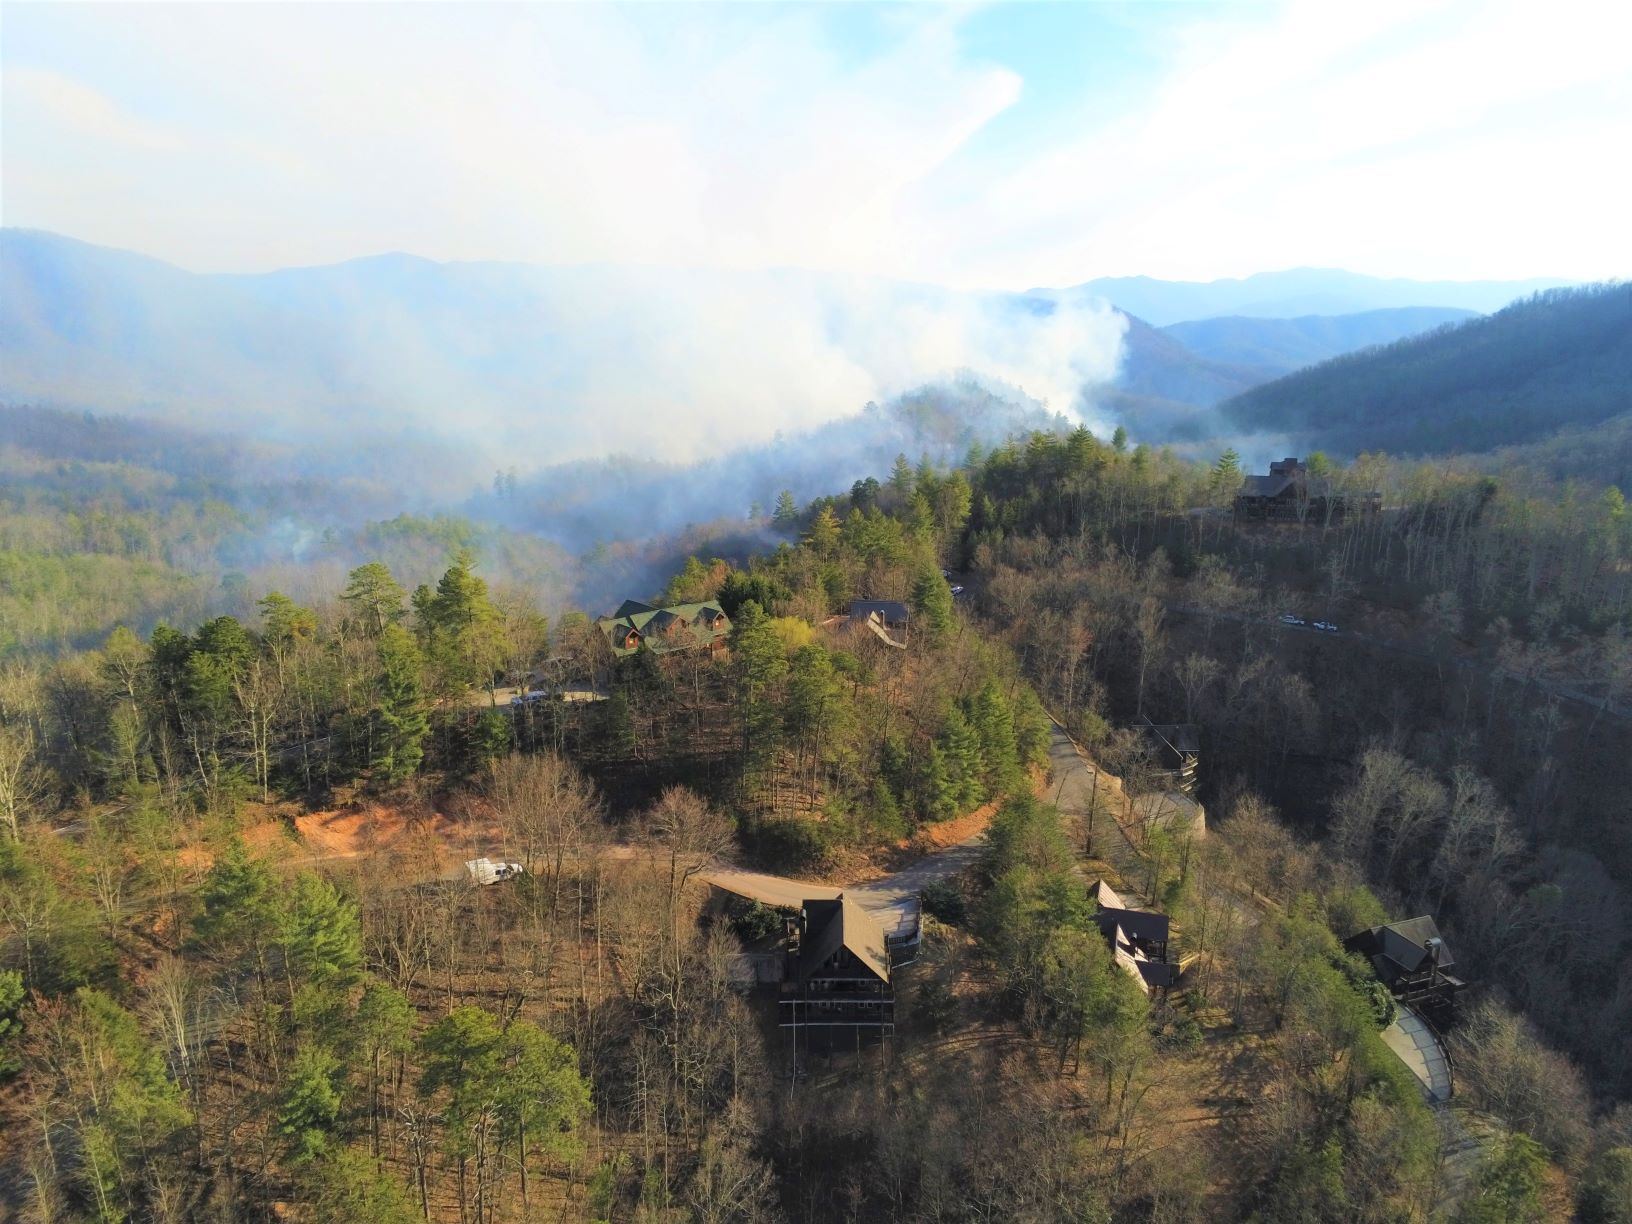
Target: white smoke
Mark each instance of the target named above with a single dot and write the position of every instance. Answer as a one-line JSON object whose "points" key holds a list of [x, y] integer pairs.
{"points": [[486, 367]]}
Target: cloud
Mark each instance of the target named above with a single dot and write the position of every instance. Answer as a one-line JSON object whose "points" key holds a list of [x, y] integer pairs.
{"points": [[561, 134], [1333, 135], [847, 138]]}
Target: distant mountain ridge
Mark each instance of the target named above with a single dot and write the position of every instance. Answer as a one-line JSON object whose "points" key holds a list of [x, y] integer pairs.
{"points": [[396, 364], [1294, 293], [1557, 360]]}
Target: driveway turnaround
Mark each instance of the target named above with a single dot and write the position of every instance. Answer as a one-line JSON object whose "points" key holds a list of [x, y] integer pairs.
{"points": [[1414, 1043]]}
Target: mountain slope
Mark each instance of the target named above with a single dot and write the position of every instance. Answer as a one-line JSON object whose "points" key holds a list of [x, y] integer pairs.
{"points": [[1558, 359], [1163, 390], [1294, 293], [1284, 345], [508, 365]]}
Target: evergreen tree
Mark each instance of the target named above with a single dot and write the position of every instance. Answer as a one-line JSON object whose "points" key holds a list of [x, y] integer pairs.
{"points": [[1119, 440], [344, 1187], [786, 514], [1509, 1185], [994, 726], [284, 622], [310, 1105], [824, 532], [115, 1106], [541, 1097], [321, 938], [11, 1006], [901, 482], [460, 1067], [238, 913], [465, 629], [401, 715], [932, 606], [965, 766], [937, 796], [618, 727], [1225, 479], [760, 666]]}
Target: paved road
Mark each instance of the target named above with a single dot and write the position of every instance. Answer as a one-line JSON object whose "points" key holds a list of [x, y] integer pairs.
{"points": [[894, 898], [1082, 791]]}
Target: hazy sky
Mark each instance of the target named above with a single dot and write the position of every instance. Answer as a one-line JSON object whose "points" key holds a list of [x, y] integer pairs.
{"points": [[1004, 146]]}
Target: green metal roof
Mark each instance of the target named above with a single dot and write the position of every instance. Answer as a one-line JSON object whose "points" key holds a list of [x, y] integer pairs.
{"points": [[660, 628]]}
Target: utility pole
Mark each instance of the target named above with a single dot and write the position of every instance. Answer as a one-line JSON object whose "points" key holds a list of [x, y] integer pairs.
{"points": [[1093, 806]]}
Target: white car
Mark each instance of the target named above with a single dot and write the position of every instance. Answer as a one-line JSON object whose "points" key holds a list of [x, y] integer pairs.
{"points": [[1326, 626], [1288, 619], [957, 590], [486, 871]]}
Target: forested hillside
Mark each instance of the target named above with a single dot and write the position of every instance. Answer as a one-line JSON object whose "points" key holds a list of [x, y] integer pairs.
{"points": [[1284, 345], [279, 1024], [1561, 358]]}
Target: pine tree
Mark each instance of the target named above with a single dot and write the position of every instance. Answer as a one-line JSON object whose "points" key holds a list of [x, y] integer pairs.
{"points": [[401, 716], [384, 1026], [994, 725], [932, 605], [345, 1187], [901, 483], [760, 666], [541, 1096], [321, 938], [786, 514], [466, 630], [238, 912], [965, 766], [11, 1005], [937, 797], [1226, 475], [310, 1106], [824, 532]]}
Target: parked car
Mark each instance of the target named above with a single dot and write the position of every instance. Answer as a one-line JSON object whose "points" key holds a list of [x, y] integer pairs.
{"points": [[957, 590], [1288, 619], [1326, 626], [531, 697], [486, 871]]}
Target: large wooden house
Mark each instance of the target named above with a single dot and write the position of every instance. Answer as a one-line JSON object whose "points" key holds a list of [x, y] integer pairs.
{"points": [[692, 626], [1290, 494], [1412, 960], [838, 976]]}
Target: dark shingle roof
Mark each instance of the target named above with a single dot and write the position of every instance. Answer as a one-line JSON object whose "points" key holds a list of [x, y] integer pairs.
{"points": [[1136, 924], [842, 923], [1265, 486], [892, 610], [1406, 943]]}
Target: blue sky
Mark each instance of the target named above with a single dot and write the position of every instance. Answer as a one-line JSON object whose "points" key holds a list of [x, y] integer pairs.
{"points": [[1004, 145]]}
